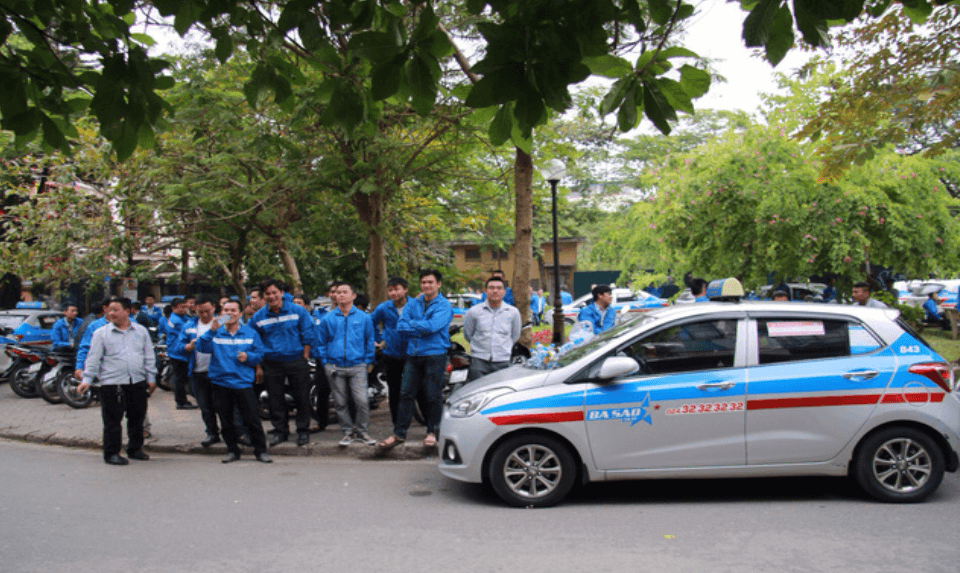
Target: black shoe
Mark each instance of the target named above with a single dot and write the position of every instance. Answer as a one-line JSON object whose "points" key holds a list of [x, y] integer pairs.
{"points": [[187, 406], [278, 439], [303, 438], [230, 457], [211, 439], [116, 460], [244, 441], [263, 457], [138, 455]]}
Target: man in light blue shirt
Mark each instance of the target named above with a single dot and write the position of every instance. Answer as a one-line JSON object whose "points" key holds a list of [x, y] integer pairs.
{"points": [[121, 357], [491, 328]]}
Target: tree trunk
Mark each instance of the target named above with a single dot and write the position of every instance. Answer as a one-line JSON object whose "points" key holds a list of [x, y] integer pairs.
{"points": [[370, 209], [523, 238], [290, 266], [184, 271]]}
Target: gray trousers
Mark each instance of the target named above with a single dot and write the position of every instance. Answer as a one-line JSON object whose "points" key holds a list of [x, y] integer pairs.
{"points": [[480, 367], [351, 380]]}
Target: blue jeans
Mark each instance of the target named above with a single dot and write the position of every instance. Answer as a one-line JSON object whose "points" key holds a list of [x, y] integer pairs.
{"points": [[421, 372]]}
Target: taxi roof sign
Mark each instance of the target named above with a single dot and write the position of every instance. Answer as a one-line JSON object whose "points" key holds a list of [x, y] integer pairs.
{"points": [[34, 304], [725, 289]]}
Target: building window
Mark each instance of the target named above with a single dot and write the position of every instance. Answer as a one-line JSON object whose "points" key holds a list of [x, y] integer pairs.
{"points": [[471, 254], [498, 255]]}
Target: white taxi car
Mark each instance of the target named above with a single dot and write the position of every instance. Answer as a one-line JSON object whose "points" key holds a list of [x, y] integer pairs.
{"points": [[716, 390]]}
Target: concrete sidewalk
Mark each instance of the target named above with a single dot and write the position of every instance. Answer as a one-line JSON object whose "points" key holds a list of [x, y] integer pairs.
{"points": [[180, 431]]}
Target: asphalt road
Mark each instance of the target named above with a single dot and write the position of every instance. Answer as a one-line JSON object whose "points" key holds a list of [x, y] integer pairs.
{"points": [[64, 510]]}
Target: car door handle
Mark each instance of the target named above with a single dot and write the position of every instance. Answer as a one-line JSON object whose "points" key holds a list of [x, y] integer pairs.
{"points": [[716, 385], [865, 374]]}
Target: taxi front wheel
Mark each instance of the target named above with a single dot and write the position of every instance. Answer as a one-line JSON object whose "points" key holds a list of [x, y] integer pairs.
{"points": [[899, 465], [532, 471]]}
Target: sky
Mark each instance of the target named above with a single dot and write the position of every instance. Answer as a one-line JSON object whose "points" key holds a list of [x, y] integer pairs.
{"points": [[715, 34]]}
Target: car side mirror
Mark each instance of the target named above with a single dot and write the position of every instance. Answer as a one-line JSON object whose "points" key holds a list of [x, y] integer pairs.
{"points": [[617, 366]]}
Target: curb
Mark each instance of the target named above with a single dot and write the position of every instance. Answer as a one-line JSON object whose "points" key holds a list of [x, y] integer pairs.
{"points": [[403, 452]]}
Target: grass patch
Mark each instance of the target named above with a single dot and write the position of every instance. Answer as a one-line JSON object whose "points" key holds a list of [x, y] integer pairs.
{"points": [[943, 343]]}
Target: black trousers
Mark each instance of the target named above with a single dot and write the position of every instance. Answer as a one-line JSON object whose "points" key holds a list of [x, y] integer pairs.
{"points": [[114, 401], [226, 401], [203, 391], [181, 378], [275, 376], [322, 413], [393, 372]]}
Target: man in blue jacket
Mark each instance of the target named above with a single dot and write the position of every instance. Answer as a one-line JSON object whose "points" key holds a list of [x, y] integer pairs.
{"points": [[235, 351], [346, 346], [179, 358], [85, 334], [288, 334], [394, 345], [424, 322], [65, 330], [599, 313]]}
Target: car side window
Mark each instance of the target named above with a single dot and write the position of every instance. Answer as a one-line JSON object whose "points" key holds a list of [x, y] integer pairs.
{"points": [[705, 345], [47, 322], [789, 339]]}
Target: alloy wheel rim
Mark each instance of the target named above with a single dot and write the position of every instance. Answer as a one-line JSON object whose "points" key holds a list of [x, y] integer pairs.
{"points": [[532, 471], [902, 465]]}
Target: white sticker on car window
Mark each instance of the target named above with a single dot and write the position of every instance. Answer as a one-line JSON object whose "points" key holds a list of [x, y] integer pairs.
{"points": [[862, 341], [795, 328]]}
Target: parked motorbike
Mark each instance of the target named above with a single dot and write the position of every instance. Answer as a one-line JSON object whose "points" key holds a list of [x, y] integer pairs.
{"points": [[164, 368], [67, 388], [60, 364], [376, 393], [458, 360], [27, 364]]}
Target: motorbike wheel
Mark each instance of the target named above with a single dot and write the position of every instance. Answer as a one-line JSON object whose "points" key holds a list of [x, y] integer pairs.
{"points": [[165, 377], [67, 388], [23, 384], [47, 388]]}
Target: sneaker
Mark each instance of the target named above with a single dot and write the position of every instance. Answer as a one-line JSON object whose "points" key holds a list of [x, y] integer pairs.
{"points": [[345, 441], [366, 439]]}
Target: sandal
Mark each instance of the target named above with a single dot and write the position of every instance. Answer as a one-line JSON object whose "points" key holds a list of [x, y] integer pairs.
{"points": [[430, 441], [390, 442]]}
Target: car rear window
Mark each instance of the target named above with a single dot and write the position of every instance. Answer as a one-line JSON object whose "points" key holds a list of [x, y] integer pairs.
{"points": [[789, 339], [11, 321]]}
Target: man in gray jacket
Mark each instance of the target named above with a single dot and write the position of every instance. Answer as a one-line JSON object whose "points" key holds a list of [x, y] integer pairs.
{"points": [[492, 328], [121, 357]]}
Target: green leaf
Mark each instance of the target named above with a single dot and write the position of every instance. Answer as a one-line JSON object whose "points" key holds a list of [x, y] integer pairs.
{"points": [[677, 52], [502, 125], [660, 11], [146, 139], [311, 33], [386, 78], [52, 135], [627, 116], [695, 82], [675, 95], [164, 82], [781, 36], [615, 96], [756, 26], [224, 48], [421, 84], [657, 109], [24, 123], [144, 39], [522, 139], [375, 46], [608, 66]]}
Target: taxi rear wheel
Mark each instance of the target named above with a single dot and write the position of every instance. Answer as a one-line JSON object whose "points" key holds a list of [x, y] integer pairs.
{"points": [[899, 465], [532, 471]]}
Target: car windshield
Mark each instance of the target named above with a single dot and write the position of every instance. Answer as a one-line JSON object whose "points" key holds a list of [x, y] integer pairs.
{"points": [[575, 353]]}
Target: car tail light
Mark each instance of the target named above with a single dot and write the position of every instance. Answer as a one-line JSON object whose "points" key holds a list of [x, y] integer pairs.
{"points": [[51, 360], [939, 372], [17, 337], [12, 352], [459, 361], [32, 357], [449, 368]]}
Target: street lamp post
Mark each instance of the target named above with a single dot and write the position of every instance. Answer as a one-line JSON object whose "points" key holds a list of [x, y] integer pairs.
{"points": [[554, 172]]}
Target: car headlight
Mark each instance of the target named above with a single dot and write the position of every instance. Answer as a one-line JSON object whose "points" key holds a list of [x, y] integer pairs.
{"points": [[470, 405]]}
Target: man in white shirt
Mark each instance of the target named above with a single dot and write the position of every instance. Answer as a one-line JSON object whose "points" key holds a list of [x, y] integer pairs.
{"points": [[121, 357], [492, 328]]}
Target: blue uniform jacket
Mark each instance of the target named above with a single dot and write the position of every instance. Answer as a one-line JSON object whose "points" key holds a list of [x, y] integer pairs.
{"points": [[346, 341], [225, 370], [387, 314], [63, 335], [426, 329], [591, 314], [155, 313], [84, 347], [172, 330], [187, 335], [284, 333], [930, 307], [565, 297]]}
